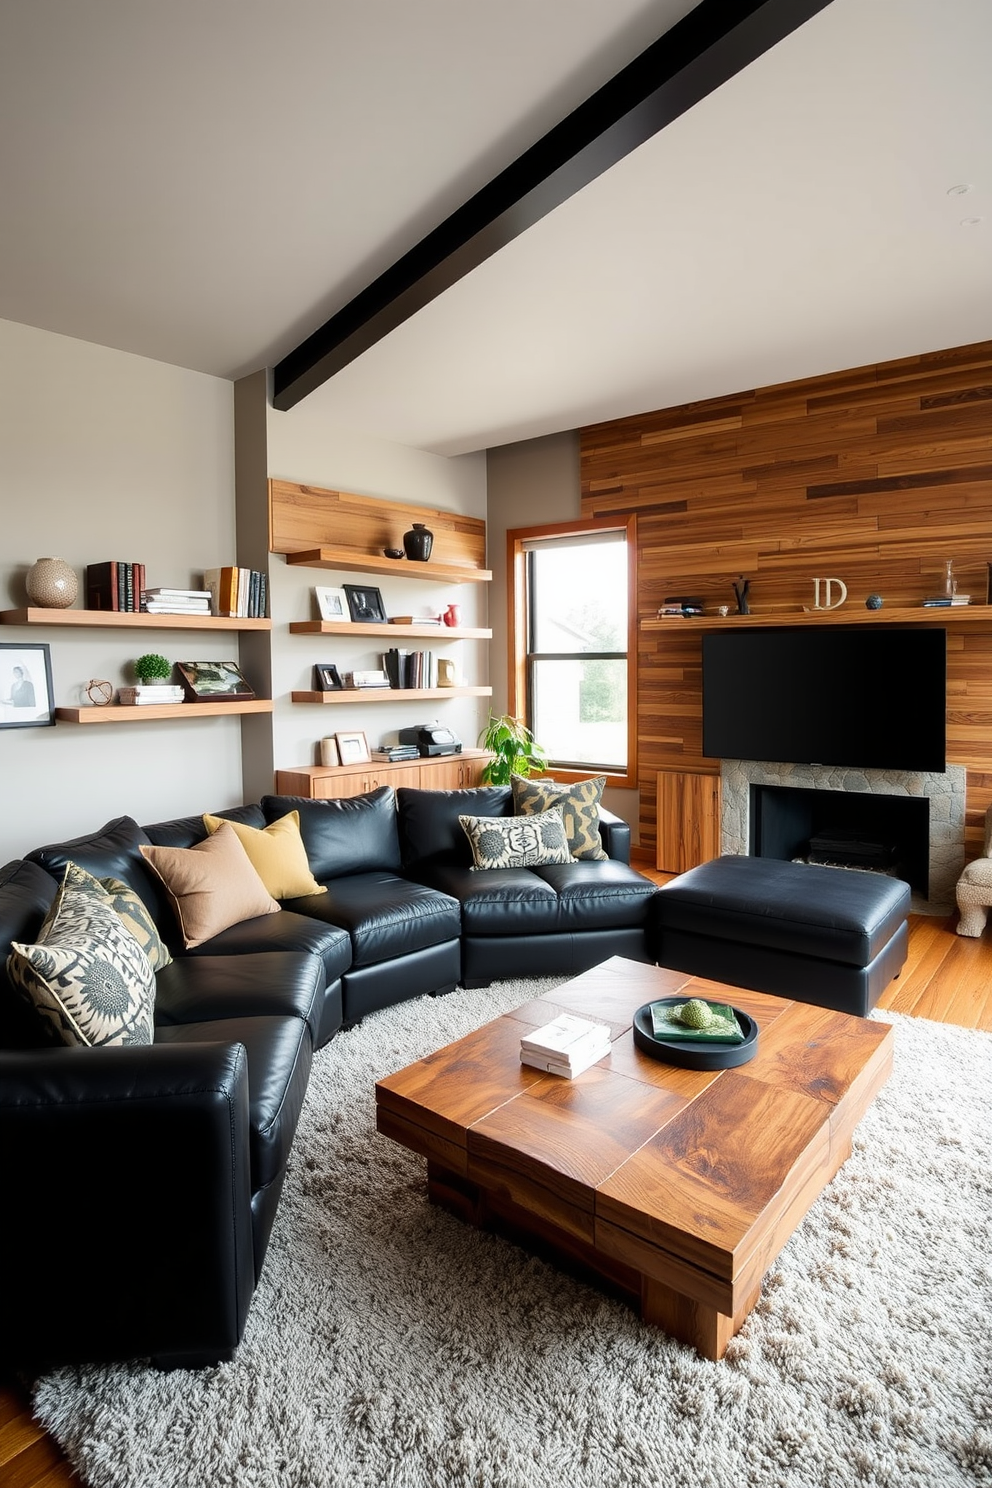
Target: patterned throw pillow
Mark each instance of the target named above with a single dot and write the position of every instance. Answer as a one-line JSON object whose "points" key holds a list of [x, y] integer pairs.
{"points": [[579, 804], [86, 975], [516, 842], [138, 921]]}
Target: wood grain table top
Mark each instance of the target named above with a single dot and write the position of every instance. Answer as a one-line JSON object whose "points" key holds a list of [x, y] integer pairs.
{"points": [[684, 1174]]}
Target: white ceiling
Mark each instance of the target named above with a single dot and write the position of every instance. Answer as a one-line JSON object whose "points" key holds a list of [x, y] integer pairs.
{"points": [[205, 181]]}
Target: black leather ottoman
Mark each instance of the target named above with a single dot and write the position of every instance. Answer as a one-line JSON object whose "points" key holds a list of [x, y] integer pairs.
{"points": [[821, 935]]}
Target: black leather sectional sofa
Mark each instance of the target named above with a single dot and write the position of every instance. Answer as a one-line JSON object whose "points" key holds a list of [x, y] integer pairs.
{"points": [[142, 1182]]}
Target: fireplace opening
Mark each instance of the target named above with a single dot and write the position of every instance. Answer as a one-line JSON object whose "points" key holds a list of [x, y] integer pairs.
{"points": [[879, 833]]}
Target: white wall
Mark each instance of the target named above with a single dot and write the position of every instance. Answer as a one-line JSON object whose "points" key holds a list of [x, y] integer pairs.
{"points": [[108, 455], [302, 447]]}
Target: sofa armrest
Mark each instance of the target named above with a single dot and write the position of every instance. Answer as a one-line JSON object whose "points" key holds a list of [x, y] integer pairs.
{"points": [[615, 835], [126, 1181]]}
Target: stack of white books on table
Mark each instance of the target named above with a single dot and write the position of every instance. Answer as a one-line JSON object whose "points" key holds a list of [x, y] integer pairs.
{"points": [[158, 692], [567, 1046], [175, 601]]}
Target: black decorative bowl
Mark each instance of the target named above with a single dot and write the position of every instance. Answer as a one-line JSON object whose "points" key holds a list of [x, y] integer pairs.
{"points": [[695, 1053], [393, 553]]}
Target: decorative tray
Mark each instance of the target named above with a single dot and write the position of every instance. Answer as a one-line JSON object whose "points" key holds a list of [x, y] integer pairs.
{"points": [[695, 1054]]}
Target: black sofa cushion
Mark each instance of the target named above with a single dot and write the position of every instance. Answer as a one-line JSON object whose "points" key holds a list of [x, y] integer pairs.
{"points": [[830, 913], [198, 989], [186, 831], [599, 895], [559, 899], [385, 916], [280, 1053], [112, 852], [430, 834], [26, 894], [354, 835], [283, 931]]}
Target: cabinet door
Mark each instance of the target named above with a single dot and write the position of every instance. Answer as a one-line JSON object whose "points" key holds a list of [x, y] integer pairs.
{"points": [[451, 773], [688, 820]]}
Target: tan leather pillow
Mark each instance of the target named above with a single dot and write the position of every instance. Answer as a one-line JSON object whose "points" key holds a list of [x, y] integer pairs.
{"points": [[277, 854], [211, 886]]}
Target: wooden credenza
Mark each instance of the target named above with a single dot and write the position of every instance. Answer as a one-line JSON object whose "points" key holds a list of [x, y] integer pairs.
{"points": [[331, 782], [688, 820]]}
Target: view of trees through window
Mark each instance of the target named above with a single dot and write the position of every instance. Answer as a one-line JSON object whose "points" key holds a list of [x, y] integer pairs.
{"points": [[577, 649]]}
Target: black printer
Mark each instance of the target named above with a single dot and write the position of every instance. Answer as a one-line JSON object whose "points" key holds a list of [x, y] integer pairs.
{"points": [[431, 739]]}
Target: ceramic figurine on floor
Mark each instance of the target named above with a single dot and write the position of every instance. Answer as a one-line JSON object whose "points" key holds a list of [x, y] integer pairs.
{"points": [[740, 594]]}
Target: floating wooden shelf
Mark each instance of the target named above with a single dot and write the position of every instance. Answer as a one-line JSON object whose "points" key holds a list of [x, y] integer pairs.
{"points": [[346, 560], [147, 713], [938, 615], [370, 628], [115, 619], [388, 694]]}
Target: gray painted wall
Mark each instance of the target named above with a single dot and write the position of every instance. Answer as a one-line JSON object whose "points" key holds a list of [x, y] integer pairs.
{"points": [[107, 455]]}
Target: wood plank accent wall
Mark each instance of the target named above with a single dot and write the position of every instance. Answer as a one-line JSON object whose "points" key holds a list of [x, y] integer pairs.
{"points": [[875, 475]]}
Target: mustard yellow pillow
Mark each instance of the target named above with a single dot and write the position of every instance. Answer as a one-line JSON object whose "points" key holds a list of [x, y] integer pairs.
{"points": [[276, 853], [211, 886]]}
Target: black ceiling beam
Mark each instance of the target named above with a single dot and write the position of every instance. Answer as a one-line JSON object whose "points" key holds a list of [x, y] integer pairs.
{"points": [[709, 45]]}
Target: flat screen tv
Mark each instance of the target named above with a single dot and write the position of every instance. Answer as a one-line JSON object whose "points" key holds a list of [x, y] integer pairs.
{"points": [[837, 696]]}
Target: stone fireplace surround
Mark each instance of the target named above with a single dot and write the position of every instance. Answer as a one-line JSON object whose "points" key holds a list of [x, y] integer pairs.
{"points": [[945, 793]]}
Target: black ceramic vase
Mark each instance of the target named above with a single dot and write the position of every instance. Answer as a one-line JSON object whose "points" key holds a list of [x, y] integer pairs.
{"points": [[417, 543]]}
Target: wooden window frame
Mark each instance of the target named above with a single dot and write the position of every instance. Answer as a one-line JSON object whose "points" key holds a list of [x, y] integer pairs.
{"points": [[516, 612]]}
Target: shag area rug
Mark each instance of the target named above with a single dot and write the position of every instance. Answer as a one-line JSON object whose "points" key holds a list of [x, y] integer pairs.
{"points": [[388, 1344]]}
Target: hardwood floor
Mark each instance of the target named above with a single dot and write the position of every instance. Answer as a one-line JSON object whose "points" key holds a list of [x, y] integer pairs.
{"points": [[947, 979]]}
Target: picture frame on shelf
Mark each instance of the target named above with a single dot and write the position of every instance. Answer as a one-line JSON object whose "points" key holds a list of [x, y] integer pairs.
{"points": [[327, 678], [365, 604], [332, 604], [214, 681], [353, 748], [27, 698]]}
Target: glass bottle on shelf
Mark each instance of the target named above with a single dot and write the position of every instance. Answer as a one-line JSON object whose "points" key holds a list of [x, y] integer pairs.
{"points": [[950, 582]]}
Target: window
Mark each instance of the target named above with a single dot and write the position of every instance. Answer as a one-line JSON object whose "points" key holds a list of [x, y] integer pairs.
{"points": [[572, 644]]}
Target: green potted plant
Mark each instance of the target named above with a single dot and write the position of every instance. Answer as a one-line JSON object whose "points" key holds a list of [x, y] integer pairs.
{"points": [[152, 668], [513, 748]]}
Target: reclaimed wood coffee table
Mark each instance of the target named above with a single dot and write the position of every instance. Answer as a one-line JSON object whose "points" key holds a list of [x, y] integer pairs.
{"points": [[676, 1188]]}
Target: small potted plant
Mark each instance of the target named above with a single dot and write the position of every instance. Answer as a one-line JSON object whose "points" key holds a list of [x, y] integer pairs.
{"points": [[513, 748], [152, 668]]}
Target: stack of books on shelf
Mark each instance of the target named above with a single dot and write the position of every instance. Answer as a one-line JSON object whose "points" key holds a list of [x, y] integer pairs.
{"points": [[410, 668], [367, 679], [943, 601], [159, 692], [567, 1046], [114, 585], [681, 604], [415, 620], [237, 593], [175, 601]]}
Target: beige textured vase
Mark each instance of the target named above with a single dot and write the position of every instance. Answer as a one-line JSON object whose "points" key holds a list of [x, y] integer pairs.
{"points": [[52, 584]]}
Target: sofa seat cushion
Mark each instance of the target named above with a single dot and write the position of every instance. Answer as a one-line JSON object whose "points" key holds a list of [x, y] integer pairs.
{"points": [[597, 895], [284, 931], [803, 908], [280, 1053], [198, 989], [500, 901], [386, 916]]}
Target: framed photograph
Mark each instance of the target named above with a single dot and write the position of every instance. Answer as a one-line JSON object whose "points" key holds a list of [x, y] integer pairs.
{"points": [[332, 604], [327, 679], [26, 696], [353, 748], [213, 681], [365, 603]]}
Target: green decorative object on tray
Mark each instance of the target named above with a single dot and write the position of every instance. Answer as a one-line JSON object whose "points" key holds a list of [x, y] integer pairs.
{"points": [[711, 1022]]}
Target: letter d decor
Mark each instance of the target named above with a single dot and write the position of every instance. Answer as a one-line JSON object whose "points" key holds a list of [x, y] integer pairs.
{"points": [[827, 593]]}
